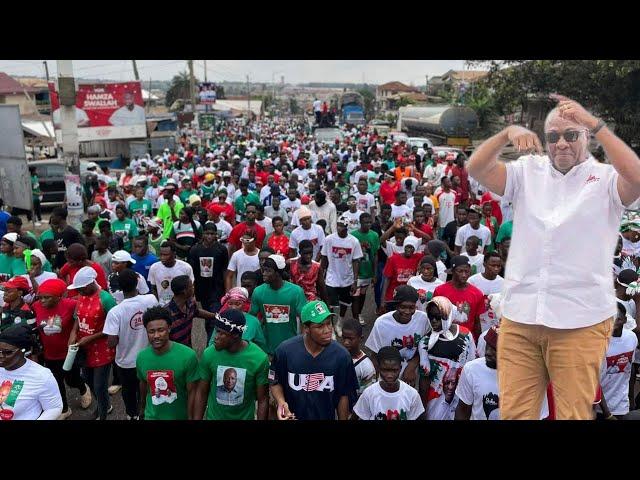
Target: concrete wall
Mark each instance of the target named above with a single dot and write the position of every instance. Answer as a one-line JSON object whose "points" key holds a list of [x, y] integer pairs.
{"points": [[26, 107]]}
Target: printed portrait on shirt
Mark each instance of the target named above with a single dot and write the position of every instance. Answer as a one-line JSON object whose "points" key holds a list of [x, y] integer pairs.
{"points": [[276, 313], [206, 267], [162, 386], [230, 383]]}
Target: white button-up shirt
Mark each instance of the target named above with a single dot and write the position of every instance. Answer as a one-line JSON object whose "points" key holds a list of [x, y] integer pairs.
{"points": [[558, 273]]}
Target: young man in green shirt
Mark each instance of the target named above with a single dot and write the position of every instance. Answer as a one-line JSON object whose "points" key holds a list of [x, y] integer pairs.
{"points": [[233, 374], [169, 211], [278, 302], [370, 243], [123, 227], [245, 198], [187, 190], [141, 207], [168, 371]]}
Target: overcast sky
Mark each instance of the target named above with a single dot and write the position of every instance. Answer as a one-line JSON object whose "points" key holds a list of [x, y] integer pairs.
{"points": [[294, 71]]}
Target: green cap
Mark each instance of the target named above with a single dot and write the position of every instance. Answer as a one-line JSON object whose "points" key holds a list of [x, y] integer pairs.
{"points": [[315, 312]]}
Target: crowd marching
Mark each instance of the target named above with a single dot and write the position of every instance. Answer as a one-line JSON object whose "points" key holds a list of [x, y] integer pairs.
{"points": [[279, 243]]}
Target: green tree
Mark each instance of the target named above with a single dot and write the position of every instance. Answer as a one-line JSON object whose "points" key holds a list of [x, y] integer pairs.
{"points": [[179, 89], [404, 101], [481, 100], [609, 88]]}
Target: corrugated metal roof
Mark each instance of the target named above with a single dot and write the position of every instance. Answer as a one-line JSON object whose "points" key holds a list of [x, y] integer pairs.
{"points": [[38, 128], [10, 86]]}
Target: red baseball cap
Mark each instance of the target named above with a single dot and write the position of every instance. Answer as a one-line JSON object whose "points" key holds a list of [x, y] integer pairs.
{"points": [[19, 283]]}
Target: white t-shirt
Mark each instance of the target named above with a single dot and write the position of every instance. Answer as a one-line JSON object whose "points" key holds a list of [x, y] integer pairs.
{"points": [[466, 231], [315, 234], [398, 211], [482, 345], [446, 213], [388, 332], [354, 219], [143, 289], [476, 261], [411, 203], [295, 220], [442, 271], [365, 372], [478, 387], [377, 404], [290, 206], [161, 276], [340, 253], [224, 229], [125, 322], [317, 106], [365, 202], [615, 371], [240, 262], [28, 391], [487, 287], [267, 224], [424, 289]]}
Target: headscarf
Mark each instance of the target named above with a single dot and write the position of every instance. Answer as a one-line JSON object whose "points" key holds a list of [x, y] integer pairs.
{"points": [[238, 294], [53, 286], [446, 310], [39, 255]]}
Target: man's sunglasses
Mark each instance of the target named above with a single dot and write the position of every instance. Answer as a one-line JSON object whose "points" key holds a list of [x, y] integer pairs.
{"points": [[569, 136]]}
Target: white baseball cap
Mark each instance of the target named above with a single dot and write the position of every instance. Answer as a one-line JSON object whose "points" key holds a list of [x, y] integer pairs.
{"points": [[122, 256], [279, 260], [226, 174], [85, 276]]}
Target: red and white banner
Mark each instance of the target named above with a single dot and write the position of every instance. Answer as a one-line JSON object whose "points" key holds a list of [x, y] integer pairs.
{"points": [[104, 111]]}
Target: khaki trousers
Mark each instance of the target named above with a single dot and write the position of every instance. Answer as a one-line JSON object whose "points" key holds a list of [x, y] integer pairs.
{"points": [[531, 356]]}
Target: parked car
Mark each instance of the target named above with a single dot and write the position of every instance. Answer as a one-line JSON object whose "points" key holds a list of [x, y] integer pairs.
{"points": [[51, 178]]}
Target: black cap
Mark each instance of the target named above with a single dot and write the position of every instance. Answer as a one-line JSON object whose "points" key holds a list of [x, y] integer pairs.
{"points": [[405, 293], [627, 276], [459, 261], [232, 321], [18, 336]]}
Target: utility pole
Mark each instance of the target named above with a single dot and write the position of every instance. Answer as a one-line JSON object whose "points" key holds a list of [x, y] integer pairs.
{"points": [[70, 144], [205, 71], [192, 85], [248, 101], [46, 70], [135, 70]]}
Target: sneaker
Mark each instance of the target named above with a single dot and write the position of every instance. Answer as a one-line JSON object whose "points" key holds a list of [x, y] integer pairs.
{"points": [[361, 320], [38, 224], [108, 412], [65, 415], [338, 328], [113, 389], [86, 399], [133, 418]]}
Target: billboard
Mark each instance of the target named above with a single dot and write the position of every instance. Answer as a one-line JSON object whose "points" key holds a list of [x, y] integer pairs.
{"points": [[207, 93], [15, 180], [206, 121], [104, 111]]}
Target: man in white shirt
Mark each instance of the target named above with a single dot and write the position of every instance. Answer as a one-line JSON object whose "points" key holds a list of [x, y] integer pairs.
{"points": [[399, 209], [341, 254], [161, 273], [317, 109], [129, 114], [306, 231], [125, 331], [324, 210], [488, 282], [558, 299], [472, 229]]}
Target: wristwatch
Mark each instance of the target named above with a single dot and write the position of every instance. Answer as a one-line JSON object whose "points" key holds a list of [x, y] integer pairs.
{"points": [[601, 123]]}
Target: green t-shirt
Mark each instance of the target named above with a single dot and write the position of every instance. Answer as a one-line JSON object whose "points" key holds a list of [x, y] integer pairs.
{"points": [[241, 202], [370, 243], [207, 191], [6, 265], [506, 230], [279, 310], [185, 194], [164, 213], [373, 189], [125, 229], [46, 235], [167, 376], [154, 245], [18, 266], [35, 187], [249, 367], [107, 301], [253, 332], [143, 206]]}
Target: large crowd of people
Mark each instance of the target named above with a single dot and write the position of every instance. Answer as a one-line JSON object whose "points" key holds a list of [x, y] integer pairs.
{"points": [[359, 279]]}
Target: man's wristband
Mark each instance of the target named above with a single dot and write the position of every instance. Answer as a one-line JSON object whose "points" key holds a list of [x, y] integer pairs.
{"points": [[601, 123]]}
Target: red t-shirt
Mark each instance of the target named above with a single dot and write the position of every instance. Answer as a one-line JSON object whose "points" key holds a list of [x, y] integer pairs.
{"points": [[464, 181], [279, 243], [68, 273], [61, 316], [238, 231], [263, 176], [469, 302], [428, 229], [399, 269], [307, 280], [496, 210], [226, 211], [388, 192]]}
